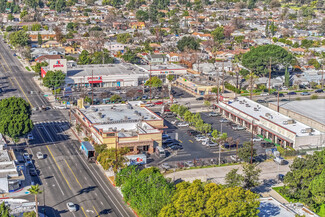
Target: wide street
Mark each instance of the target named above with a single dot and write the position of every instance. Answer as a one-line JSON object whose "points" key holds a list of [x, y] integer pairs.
{"points": [[64, 173]]}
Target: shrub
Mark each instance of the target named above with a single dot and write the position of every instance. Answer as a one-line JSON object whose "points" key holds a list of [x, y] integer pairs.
{"points": [[27, 68], [231, 87], [314, 97]]}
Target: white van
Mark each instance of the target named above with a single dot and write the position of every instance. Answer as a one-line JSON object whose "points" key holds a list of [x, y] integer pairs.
{"points": [[160, 152]]}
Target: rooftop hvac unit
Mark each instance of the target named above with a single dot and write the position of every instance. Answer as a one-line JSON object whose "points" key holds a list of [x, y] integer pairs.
{"points": [[94, 109], [247, 105], [241, 102], [115, 128], [136, 112], [125, 117], [291, 121], [122, 130], [285, 122], [255, 109]]}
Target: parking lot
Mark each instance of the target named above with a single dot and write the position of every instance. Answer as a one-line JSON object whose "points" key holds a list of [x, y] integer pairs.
{"points": [[192, 150]]}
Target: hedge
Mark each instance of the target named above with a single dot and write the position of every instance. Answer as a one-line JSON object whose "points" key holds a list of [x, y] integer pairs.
{"points": [[232, 88]]}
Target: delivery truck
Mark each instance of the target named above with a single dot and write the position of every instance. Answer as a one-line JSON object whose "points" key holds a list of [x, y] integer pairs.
{"points": [[88, 150]]}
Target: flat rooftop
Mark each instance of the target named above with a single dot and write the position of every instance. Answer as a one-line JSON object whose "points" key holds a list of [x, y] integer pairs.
{"points": [[271, 207], [313, 109], [159, 67], [118, 114], [256, 110], [105, 69]]}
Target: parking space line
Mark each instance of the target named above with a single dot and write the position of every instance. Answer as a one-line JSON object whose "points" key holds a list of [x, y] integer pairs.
{"points": [[180, 141], [83, 211], [72, 173], [190, 141], [96, 212]]}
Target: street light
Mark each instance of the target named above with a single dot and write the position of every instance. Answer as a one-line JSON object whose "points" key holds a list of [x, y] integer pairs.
{"points": [[220, 147]]}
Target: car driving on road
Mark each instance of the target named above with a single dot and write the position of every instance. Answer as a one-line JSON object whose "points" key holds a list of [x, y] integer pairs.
{"points": [[71, 207]]}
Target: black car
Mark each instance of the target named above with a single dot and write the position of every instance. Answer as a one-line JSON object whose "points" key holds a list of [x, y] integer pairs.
{"points": [[292, 93], [200, 98], [281, 95], [176, 147], [319, 91], [267, 144], [168, 141], [32, 172], [275, 93], [260, 101], [192, 133]]}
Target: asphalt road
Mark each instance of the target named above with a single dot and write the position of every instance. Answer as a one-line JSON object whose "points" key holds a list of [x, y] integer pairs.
{"points": [[64, 173]]}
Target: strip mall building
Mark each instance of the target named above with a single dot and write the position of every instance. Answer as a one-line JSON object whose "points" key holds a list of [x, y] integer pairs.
{"points": [[272, 126]]}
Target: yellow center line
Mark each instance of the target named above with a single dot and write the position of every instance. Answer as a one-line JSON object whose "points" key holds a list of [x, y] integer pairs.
{"points": [[190, 141], [17, 82], [83, 211], [96, 212], [180, 141], [58, 166], [72, 173]]}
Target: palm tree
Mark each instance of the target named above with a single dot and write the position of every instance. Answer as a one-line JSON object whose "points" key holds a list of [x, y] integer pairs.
{"points": [[251, 77], [35, 190]]}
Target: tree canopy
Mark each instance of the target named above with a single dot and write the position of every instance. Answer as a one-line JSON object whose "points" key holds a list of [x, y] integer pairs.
{"points": [[202, 199], [19, 38], [98, 57], [15, 117], [4, 210], [146, 191], [154, 82], [54, 79], [258, 59], [107, 158], [188, 42], [244, 153]]}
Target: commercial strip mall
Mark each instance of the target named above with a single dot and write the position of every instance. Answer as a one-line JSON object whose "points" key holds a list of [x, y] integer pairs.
{"points": [[271, 125], [111, 75]]}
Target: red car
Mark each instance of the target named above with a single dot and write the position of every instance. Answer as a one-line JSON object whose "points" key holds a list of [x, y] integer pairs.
{"points": [[158, 103]]}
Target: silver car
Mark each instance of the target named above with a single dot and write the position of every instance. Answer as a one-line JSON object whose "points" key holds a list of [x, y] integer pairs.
{"points": [[71, 207]]}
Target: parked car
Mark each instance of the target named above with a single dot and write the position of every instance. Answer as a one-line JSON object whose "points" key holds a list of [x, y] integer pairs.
{"points": [[238, 127], [292, 93], [260, 101], [230, 146], [158, 103], [26, 156], [176, 147], [267, 144], [168, 115], [192, 133], [71, 207], [189, 164], [165, 136], [223, 120], [168, 141], [174, 122], [182, 124], [304, 93], [165, 166], [30, 136], [279, 160], [264, 94], [39, 155], [213, 114], [281, 95], [199, 98], [257, 139], [319, 91], [206, 141], [32, 172], [201, 138], [212, 144]]}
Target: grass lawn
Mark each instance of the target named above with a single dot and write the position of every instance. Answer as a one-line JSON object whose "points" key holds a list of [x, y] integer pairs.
{"points": [[27, 68], [277, 189]]}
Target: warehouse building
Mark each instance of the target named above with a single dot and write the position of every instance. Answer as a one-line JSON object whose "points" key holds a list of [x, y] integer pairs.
{"points": [[271, 125], [122, 125]]}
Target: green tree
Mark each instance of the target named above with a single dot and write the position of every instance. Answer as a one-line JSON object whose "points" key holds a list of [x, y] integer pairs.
{"points": [[19, 38], [154, 82], [245, 152], [107, 158], [115, 98], [146, 191], [15, 117], [60, 5], [233, 179], [11, 17], [29, 214], [8, 28], [272, 28], [130, 57], [23, 14], [258, 59], [35, 190], [54, 79], [251, 175], [4, 210], [210, 199], [188, 42], [170, 77], [218, 34], [267, 29], [124, 38], [287, 78], [36, 27], [39, 39], [84, 58], [142, 15]]}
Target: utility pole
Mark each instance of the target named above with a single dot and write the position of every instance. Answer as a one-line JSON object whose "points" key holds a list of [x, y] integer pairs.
{"points": [[278, 107], [323, 76], [252, 143], [251, 84], [217, 80], [150, 84], [223, 77], [270, 75], [220, 147], [116, 159], [92, 87]]}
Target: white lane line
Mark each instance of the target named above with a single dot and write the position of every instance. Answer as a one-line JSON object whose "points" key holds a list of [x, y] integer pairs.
{"points": [[58, 184], [47, 133]]}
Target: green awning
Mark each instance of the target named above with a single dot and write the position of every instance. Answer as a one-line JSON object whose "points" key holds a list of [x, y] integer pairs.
{"points": [[268, 140], [260, 136], [277, 144]]}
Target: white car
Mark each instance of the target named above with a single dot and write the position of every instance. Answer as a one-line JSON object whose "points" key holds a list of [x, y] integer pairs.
{"points": [[174, 121], [182, 124], [206, 141], [61, 107], [26, 156], [224, 120], [30, 136], [264, 94], [165, 166], [211, 144], [257, 139], [71, 207], [201, 138], [39, 155]]}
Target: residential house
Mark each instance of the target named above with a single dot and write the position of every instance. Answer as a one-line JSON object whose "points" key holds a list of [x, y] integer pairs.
{"points": [[137, 25], [173, 57]]}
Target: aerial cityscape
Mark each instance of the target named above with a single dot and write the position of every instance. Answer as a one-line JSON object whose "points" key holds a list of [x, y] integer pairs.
{"points": [[162, 108]]}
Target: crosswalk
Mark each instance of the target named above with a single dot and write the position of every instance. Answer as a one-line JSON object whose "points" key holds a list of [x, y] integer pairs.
{"points": [[51, 122]]}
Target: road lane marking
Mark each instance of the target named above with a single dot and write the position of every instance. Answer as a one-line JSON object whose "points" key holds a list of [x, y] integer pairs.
{"points": [[96, 212], [180, 141], [190, 141], [58, 166], [83, 211], [8, 76], [72, 173], [17, 82], [58, 185]]}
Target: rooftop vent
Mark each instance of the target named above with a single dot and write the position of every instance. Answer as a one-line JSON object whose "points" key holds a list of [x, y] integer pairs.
{"points": [[247, 105], [291, 121], [94, 109], [255, 109], [241, 102], [307, 130]]}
